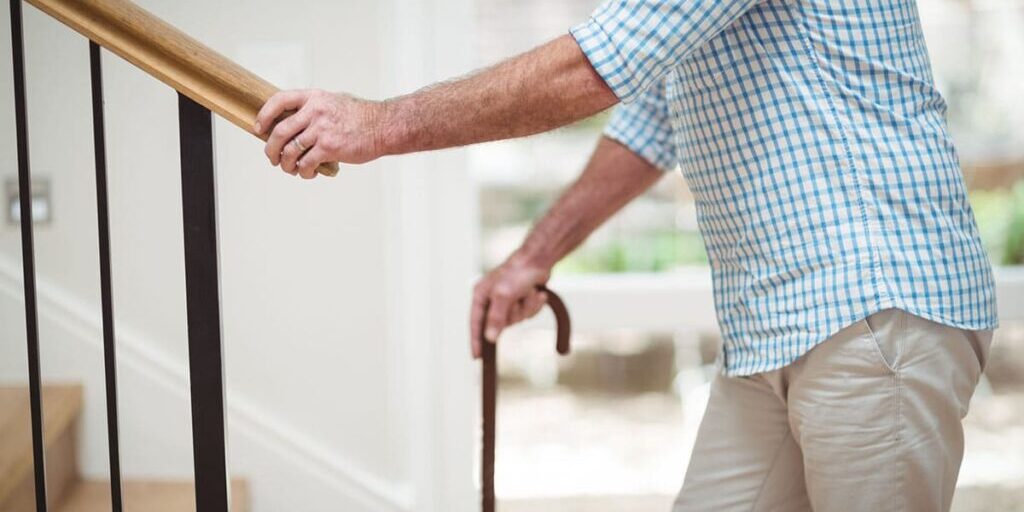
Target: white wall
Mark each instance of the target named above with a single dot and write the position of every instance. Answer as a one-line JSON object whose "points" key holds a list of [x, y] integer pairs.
{"points": [[343, 300]]}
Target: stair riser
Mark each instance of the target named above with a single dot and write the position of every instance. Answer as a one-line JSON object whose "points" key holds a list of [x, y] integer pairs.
{"points": [[61, 466]]}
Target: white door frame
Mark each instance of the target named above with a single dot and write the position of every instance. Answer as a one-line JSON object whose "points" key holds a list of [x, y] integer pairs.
{"points": [[431, 221]]}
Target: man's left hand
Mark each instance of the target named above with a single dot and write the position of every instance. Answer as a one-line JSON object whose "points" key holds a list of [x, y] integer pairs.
{"points": [[323, 127]]}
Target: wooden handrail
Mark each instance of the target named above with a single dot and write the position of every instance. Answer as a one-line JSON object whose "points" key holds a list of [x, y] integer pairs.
{"points": [[170, 55]]}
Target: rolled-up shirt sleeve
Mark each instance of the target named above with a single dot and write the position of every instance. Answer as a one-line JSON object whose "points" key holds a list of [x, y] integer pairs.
{"points": [[644, 126], [634, 43]]}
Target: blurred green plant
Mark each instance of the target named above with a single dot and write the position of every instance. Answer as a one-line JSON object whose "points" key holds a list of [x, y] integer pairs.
{"points": [[642, 252], [1000, 215]]}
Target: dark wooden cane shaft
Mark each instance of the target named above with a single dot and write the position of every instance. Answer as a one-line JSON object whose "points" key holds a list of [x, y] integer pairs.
{"points": [[489, 352]]}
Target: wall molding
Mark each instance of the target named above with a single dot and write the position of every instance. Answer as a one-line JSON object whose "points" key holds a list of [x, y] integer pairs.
{"points": [[138, 353]]}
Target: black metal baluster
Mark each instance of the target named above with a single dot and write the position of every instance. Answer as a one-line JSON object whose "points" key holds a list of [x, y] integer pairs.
{"points": [[202, 290], [106, 294], [28, 255]]}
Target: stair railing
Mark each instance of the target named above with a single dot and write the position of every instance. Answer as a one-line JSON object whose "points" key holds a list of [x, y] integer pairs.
{"points": [[207, 83]]}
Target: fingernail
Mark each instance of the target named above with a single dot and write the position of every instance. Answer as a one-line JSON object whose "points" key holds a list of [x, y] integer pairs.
{"points": [[258, 127], [492, 334]]}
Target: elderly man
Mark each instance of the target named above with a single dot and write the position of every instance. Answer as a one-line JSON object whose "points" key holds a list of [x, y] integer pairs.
{"points": [[855, 300]]}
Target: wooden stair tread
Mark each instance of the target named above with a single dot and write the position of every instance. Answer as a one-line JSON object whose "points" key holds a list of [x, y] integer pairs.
{"points": [[145, 496], [61, 406]]}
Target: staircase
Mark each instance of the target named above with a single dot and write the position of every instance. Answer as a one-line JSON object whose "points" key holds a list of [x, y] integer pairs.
{"points": [[68, 492]]}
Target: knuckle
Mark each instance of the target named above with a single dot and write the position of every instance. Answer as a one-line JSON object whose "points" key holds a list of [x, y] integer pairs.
{"points": [[331, 144], [287, 126], [504, 291]]}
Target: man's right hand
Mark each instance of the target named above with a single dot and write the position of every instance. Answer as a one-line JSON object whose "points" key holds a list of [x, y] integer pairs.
{"points": [[507, 295]]}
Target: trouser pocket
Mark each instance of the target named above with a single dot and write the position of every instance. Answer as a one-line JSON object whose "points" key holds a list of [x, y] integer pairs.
{"points": [[885, 333]]}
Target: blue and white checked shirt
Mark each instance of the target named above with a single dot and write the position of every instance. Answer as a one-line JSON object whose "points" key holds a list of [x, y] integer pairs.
{"points": [[815, 144]]}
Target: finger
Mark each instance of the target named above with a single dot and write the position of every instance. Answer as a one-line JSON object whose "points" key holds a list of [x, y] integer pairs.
{"points": [[476, 317], [292, 151], [497, 314], [306, 166], [278, 104], [529, 306], [284, 132], [516, 314], [533, 304]]}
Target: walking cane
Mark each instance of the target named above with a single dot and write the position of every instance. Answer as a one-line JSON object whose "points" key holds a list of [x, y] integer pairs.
{"points": [[489, 352]]}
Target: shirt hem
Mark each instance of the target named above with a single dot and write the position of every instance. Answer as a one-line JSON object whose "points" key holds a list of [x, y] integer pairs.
{"points": [[980, 325]]}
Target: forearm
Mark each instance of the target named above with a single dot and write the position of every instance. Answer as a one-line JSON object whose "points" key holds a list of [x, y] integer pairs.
{"points": [[545, 88], [613, 177]]}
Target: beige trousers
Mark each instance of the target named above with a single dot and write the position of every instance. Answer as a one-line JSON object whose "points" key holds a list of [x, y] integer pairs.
{"points": [[870, 420]]}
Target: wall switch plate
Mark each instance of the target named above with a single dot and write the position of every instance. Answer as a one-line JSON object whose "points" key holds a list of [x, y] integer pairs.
{"points": [[42, 206]]}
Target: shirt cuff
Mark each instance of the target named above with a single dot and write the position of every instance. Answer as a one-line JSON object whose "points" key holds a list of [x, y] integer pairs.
{"points": [[605, 58], [658, 155]]}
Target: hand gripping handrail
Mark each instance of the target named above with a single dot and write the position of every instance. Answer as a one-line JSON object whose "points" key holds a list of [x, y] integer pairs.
{"points": [[170, 55], [489, 352]]}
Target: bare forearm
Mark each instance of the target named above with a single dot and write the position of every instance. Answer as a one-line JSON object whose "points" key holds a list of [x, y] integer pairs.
{"points": [[613, 177], [548, 87], [545, 88]]}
